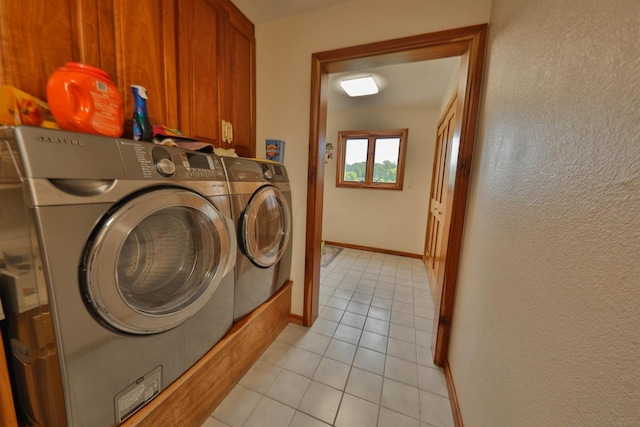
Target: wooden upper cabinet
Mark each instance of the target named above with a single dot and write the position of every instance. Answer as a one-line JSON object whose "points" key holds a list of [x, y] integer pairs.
{"points": [[199, 57], [240, 82], [216, 46], [37, 38], [196, 58], [144, 48]]}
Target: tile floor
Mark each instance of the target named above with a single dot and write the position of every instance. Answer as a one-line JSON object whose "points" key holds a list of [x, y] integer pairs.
{"points": [[365, 362]]}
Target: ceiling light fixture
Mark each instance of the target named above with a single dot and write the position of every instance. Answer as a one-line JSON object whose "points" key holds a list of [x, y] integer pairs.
{"points": [[359, 86]]}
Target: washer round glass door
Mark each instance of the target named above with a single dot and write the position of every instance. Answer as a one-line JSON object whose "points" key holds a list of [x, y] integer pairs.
{"points": [[156, 260], [265, 226]]}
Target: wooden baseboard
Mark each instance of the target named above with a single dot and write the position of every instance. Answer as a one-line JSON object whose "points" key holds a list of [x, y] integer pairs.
{"points": [[455, 407], [379, 250], [193, 397], [7, 410], [296, 319]]}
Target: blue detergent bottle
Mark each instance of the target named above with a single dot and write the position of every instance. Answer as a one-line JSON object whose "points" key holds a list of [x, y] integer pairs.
{"points": [[141, 125]]}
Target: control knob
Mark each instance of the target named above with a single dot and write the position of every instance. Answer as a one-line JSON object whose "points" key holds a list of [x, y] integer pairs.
{"points": [[165, 167]]}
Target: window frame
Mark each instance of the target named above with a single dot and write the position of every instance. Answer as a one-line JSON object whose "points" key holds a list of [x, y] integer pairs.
{"points": [[371, 136]]}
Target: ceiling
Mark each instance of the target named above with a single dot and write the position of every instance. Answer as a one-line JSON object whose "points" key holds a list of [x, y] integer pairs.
{"points": [[414, 85], [261, 11]]}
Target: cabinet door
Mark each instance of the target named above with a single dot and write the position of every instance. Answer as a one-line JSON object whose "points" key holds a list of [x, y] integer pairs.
{"points": [[40, 36], [145, 51], [199, 28], [240, 58]]}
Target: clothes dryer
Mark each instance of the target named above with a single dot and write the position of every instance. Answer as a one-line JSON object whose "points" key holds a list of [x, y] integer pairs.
{"points": [[261, 206], [124, 271]]}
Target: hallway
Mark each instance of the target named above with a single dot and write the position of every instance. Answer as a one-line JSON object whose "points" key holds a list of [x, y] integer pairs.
{"points": [[365, 362]]}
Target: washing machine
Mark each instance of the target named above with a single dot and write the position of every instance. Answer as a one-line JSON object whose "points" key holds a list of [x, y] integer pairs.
{"points": [[261, 206], [117, 272]]}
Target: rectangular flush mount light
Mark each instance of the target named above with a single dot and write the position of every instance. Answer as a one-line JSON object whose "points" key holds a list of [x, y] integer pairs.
{"points": [[359, 86]]}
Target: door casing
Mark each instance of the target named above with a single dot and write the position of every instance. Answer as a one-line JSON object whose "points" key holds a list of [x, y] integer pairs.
{"points": [[469, 44]]}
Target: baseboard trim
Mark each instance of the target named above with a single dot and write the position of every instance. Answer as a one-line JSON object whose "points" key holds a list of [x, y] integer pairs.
{"points": [[455, 407], [295, 319], [370, 249], [193, 397]]}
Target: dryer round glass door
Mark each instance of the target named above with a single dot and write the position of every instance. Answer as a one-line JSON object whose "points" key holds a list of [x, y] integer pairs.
{"points": [[265, 227], [155, 261]]}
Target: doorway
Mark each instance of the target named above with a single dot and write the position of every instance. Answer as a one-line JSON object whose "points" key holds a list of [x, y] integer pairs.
{"points": [[469, 44]]}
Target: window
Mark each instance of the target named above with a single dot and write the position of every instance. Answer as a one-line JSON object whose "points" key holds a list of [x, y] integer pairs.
{"points": [[371, 159]]}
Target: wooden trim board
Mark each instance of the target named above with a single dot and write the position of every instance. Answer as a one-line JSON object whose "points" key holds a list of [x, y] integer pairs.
{"points": [[370, 249], [453, 397], [295, 319], [193, 397], [7, 410]]}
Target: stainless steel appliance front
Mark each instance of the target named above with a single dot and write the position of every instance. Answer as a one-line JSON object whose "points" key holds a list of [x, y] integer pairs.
{"points": [[261, 205], [129, 250]]}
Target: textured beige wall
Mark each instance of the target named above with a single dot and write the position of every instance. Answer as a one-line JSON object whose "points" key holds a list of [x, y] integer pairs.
{"points": [[283, 76], [395, 220], [546, 328]]}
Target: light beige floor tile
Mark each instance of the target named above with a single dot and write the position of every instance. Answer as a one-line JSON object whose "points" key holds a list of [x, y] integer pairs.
{"points": [[324, 327], [389, 418], [403, 333], [236, 408], [270, 413], [278, 353], [348, 285], [341, 351], [348, 334], [365, 385], [400, 398], [401, 370], [260, 376], [423, 324], [314, 342], [377, 326], [323, 299], [435, 409], [353, 320], [404, 290], [303, 362], [380, 313], [403, 319], [425, 357], [382, 303], [367, 288], [369, 360], [402, 349], [433, 380], [361, 298], [343, 293], [321, 401], [358, 308], [288, 388], [338, 303], [373, 341], [332, 373], [212, 422], [356, 412], [400, 297], [326, 290], [300, 419], [402, 307], [291, 334], [423, 336], [331, 313]]}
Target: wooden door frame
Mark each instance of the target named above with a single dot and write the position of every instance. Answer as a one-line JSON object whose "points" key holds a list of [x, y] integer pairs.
{"points": [[469, 43]]}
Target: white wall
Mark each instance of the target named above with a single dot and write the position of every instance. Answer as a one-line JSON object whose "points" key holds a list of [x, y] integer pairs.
{"points": [[546, 327], [283, 76], [383, 219]]}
